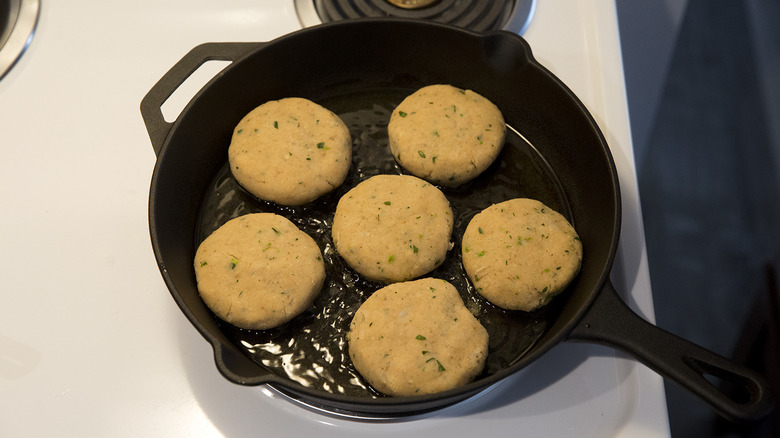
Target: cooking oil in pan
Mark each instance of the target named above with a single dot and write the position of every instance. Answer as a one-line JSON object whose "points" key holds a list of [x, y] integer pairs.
{"points": [[311, 349]]}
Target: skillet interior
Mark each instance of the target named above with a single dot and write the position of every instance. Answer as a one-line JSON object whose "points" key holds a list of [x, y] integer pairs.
{"points": [[311, 349], [382, 60]]}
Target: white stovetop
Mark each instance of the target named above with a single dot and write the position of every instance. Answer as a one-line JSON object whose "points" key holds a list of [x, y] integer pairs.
{"points": [[91, 343]]}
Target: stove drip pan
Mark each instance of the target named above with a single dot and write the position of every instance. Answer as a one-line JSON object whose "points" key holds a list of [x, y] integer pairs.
{"points": [[329, 411], [18, 19], [479, 15]]}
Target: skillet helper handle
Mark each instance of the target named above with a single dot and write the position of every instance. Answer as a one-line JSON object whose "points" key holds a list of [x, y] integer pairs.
{"points": [[611, 322], [151, 105]]}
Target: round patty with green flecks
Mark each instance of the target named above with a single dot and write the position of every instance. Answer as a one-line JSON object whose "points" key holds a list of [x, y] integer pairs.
{"points": [[290, 151], [520, 253], [417, 337], [446, 135], [393, 227], [259, 271]]}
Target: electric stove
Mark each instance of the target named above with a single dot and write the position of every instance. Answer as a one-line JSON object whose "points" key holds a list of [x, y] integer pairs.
{"points": [[91, 343]]}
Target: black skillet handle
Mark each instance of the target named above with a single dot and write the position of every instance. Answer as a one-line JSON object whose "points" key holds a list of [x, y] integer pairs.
{"points": [[151, 104], [610, 321]]}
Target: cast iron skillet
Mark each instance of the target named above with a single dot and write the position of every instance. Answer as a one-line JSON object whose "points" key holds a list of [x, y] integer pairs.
{"points": [[360, 69]]}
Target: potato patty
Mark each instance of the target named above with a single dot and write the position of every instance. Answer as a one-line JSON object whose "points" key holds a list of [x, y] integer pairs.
{"points": [[393, 227], [520, 253], [259, 271], [417, 337], [446, 135], [290, 151]]}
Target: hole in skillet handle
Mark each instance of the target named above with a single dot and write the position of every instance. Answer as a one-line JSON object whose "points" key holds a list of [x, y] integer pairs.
{"points": [[174, 105], [737, 387], [158, 102], [737, 393]]}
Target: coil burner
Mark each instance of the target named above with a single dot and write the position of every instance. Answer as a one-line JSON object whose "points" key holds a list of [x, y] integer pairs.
{"points": [[18, 19], [479, 15]]}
